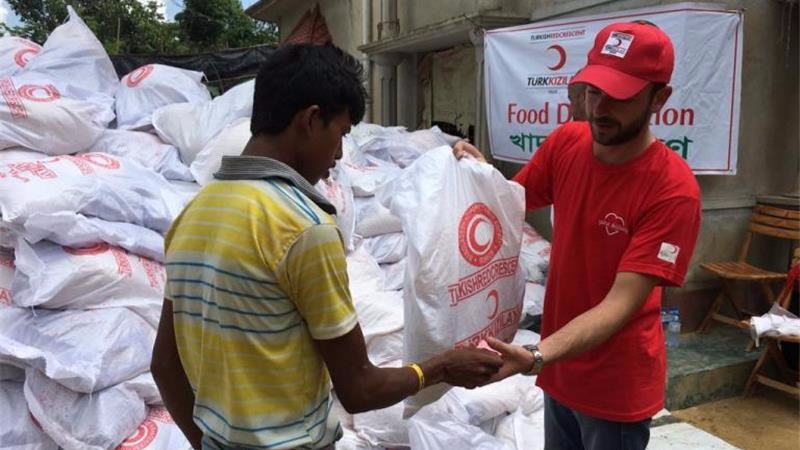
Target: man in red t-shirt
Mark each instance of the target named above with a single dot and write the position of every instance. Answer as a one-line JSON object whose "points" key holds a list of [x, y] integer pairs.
{"points": [[628, 211]]}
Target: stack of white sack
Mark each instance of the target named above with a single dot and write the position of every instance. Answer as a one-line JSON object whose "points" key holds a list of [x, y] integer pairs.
{"points": [[374, 155], [534, 258], [507, 415], [83, 212]]}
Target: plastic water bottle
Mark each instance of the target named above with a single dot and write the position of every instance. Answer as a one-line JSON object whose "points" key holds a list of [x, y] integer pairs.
{"points": [[674, 328]]}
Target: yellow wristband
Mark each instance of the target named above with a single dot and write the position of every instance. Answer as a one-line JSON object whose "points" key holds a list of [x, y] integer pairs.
{"points": [[420, 375]]}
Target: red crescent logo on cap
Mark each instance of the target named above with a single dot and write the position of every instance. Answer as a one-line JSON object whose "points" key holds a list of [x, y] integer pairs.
{"points": [[562, 57]]}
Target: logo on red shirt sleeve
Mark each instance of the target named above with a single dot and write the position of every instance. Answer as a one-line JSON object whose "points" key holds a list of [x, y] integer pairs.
{"points": [[668, 252]]}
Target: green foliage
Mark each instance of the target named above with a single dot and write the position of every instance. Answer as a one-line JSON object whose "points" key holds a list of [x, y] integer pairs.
{"points": [[130, 26]]}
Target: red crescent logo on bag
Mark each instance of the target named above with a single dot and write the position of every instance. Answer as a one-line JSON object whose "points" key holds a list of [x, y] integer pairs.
{"points": [[493, 295], [100, 160], [22, 57], [144, 436], [480, 235], [93, 250], [36, 93], [138, 75]]}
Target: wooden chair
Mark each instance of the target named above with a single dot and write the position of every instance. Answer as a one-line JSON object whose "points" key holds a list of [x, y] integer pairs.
{"points": [[768, 221], [773, 352]]}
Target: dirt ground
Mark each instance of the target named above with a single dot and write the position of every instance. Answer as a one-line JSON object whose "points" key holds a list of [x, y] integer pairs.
{"points": [[769, 420]]}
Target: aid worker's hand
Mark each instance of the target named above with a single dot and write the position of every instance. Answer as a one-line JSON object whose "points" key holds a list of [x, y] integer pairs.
{"points": [[470, 367], [515, 359], [464, 148]]}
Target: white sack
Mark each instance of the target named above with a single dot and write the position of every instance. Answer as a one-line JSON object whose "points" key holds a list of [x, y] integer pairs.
{"points": [[152, 86], [368, 175], [776, 322], [522, 431], [229, 142], [84, 351], [373, 219], [337, 190], [7, 269], [535, 254], [19, 154], [95, 184], [76, 421], [533, 305], [37, 115], [394, 274], [18, 430], [157, 432], [76, 230], [55, 277], [146, 149], [15, 52], [439, 429], [75, 62], [463, 221], [191, 126], [386, 248]]}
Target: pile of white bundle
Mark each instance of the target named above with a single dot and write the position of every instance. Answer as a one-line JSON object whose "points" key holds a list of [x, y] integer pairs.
{"points": [[83, 211]]}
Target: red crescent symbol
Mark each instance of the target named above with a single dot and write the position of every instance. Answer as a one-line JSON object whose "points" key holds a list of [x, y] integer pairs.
{"points": [[619, 43], [471, 235], [562, 57], [494, 296]]}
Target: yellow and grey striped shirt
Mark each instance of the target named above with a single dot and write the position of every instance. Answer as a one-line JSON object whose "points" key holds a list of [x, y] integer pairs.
{"points": [[256, 271]]}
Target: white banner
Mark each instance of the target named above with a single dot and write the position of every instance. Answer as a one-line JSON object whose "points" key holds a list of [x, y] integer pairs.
{"points": [[528, 68]]}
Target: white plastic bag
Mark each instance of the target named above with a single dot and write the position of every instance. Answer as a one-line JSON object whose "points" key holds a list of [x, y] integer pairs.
{"points": [[76, 421], [101, 276], [463, 222], [157, 432], [229, 142], [191, 126], [18, 430], [386, 248], [83, 350], [146, 149], [75, 61], [37, 115], [150, 87], [15, 52], [94, 184]]}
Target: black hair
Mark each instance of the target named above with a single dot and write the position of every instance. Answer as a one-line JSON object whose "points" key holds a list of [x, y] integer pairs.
{"points": [[298, 76]]}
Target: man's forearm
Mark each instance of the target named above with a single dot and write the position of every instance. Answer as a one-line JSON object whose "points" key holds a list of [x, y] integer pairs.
{"points": [[178, 398]]}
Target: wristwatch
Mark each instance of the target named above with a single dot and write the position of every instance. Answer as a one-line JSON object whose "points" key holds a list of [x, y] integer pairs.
{"points": [[538, 359]]}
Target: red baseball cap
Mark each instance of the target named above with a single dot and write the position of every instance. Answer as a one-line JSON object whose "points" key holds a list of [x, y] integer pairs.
{"points": [[626, 57]]}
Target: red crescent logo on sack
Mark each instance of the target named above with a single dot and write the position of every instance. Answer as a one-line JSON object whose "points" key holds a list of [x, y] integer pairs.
{"points": [[138, 75], [480, 235], [160, 415], [100, 160], [493, 295], [22, 57], [36, 93], [93, 250], [144, 436]]}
